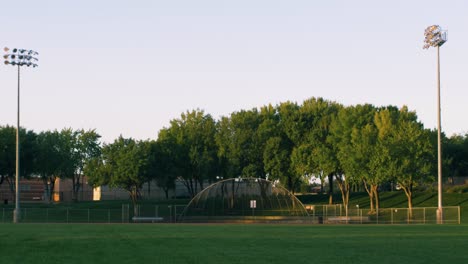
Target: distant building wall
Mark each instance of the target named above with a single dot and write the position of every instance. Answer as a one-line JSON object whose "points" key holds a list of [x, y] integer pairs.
{"points": [[63, 190], [30, 190], [153, 192]]}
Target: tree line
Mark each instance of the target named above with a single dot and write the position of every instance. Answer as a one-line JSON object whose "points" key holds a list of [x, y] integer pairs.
{"points": [[290, 143], [47, 155]]}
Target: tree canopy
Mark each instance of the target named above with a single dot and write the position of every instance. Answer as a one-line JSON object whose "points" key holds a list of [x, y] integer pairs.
{"points": [[358, 145]]}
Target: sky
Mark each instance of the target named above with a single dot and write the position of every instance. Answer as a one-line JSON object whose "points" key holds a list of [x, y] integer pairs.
{"points": [[129, 67]]}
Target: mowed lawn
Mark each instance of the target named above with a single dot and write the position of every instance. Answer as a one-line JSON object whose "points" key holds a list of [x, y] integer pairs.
{"points": [[255, 243]]}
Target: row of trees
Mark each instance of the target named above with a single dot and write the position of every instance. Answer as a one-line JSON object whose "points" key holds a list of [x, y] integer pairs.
{"points": [[291, 143], [47, 155], [349, 145]]}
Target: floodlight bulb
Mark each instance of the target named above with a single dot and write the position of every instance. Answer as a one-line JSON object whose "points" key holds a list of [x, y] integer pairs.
{"points": [[6, 49]]}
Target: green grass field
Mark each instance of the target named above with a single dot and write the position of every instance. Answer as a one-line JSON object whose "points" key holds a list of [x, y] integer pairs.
{"points": [[179, 243]]}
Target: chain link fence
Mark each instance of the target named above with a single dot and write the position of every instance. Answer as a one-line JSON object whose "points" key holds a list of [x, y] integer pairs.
{"points": [[168, 213], [318, 214], [335, 214]]}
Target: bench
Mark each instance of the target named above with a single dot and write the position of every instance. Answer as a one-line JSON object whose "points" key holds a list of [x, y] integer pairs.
{"points": [[143, 219], [344, 219]]}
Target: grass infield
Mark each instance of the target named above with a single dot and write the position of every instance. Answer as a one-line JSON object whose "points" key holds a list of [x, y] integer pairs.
{"points": [[207, 243]]}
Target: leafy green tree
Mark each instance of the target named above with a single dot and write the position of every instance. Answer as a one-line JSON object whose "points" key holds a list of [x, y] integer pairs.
{"points": [[7, 152], [48, 160], [240, 147], [455, 156], [87, 147], [124, 164], [163, 165], [75, 148], [359, 150], [410, 150], [195, 149], [68, 155], [344, 140], [8, 155], [277, 160], [314, 152]]}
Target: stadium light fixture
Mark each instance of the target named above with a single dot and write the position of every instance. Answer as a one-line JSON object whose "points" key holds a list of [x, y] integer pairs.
{"points": [[19, 57], [436, 37]]}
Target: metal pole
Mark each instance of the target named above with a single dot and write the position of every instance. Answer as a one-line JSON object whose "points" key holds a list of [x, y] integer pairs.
{"points": [[439, 145], [17, 213]]}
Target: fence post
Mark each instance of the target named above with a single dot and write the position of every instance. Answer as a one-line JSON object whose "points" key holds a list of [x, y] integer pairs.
{"points": [[459, 215], [108, 216], [156, 213], [377, 212], [391, 215], [424, 215], [88, 215], [67, 215]]}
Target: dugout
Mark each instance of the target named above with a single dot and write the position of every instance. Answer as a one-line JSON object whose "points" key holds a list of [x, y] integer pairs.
{"points": [[244, 200]]}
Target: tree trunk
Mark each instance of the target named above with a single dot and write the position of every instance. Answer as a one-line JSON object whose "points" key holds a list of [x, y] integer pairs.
{"points": [[192, 189], [134, 197], [410, 206], [330, 188], [409, 195], [201, 184], [76, 186], [344, 188], [11, 184], [166, 191], [370, 192], [49, 183], [377, 198]]}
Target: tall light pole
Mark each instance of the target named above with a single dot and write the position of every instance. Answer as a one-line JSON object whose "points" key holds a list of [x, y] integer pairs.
{"points": [[436, 37], [19, 57]]}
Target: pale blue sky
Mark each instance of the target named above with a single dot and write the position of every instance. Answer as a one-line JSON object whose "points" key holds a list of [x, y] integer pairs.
{"points": [[129, 67]]}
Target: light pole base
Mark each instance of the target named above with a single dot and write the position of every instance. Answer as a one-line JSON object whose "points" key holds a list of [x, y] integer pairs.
{"points": [[439, 216], [16, 216]]}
